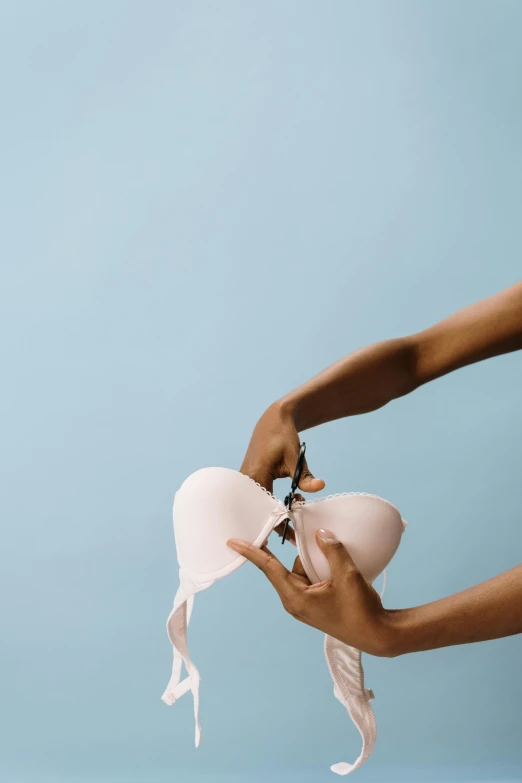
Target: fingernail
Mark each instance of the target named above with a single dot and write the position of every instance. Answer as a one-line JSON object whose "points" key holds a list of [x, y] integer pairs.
{"points": [[326, 535]]}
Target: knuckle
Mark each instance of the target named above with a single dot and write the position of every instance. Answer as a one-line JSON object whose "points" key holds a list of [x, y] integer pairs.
{"points": [[294, 605], [266, 563], [286, 470], [352, 576]]}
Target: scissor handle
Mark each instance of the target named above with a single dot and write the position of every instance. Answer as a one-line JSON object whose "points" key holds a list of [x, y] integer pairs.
{"points": [[298, 468], [295, 483]]}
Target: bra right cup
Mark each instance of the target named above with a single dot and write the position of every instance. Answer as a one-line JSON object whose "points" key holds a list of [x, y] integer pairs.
{"points": [[369, 527]]}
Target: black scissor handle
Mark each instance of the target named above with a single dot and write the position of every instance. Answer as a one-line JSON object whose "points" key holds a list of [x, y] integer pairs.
{"points": [[295, 483], [298, 468]]}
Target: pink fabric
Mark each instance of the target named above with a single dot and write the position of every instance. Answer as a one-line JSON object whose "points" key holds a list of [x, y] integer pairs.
{"points": [[215, 504]]}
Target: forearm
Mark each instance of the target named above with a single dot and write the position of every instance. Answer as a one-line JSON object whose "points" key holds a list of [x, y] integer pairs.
{"points": [[359, 383], [489, 610], [373, 376]]}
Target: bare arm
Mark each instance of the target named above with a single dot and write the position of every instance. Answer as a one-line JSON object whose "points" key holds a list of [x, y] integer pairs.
{"points": [[489, 610], [373, 376], [348, 608]]}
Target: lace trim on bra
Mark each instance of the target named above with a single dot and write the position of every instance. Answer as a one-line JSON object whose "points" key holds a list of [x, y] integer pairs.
{"points": [[321, 499], [263, 489]]}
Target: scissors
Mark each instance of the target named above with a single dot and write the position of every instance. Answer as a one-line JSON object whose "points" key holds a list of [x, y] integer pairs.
{"points": [[295, 483]]}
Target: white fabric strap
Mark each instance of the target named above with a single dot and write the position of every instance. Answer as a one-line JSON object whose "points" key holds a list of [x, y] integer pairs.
{"points": [[345, 665], [347, 673], [175, 692], [384, 583], [171, 692], [177, 623]]}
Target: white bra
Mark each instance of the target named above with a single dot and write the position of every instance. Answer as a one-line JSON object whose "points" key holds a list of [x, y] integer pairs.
{"points": [[216, 504]]}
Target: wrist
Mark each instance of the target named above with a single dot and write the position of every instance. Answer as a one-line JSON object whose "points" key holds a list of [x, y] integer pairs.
{"points": [[293, 405], [286, 407], [383, 641], [400, 632], [381, 637]]}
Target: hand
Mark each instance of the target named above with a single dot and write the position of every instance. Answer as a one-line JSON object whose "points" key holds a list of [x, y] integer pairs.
{"points": [[345, 607], [273, 451]]}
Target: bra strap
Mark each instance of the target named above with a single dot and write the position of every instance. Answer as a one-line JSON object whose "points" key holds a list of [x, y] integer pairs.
{"points": [[175, 689], [177, 623], [346, 670], [345, 665], [384, 583]]}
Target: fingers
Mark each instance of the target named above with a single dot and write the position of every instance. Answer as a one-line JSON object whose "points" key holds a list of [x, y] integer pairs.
{"points": [[298, 567], [299, 571], [308, 482], [338, 557], [272, 568]]}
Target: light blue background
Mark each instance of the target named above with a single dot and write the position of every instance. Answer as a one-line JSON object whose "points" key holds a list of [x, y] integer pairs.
{"points": [[204, 204]]}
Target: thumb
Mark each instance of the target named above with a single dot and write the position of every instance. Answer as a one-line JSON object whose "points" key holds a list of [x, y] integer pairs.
{"points": [[338, 557], [308, 482]]}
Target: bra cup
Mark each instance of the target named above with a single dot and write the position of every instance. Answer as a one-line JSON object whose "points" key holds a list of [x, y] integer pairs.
{"points": [[211, 506], [369, 527]]}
